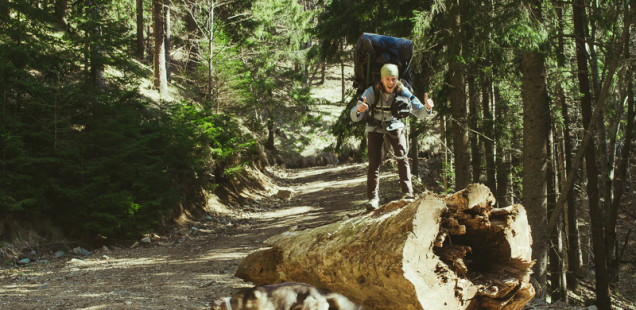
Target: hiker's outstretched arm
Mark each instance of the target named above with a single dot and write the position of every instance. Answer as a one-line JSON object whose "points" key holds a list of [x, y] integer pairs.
{"points": [[355, 115], [417, 108], [358, 112]]}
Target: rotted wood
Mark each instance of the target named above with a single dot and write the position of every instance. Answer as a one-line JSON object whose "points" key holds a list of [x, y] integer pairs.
{"points": [[438, 252]]}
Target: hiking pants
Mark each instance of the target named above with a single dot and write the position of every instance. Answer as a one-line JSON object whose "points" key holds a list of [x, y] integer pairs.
{"points": [[398, 143]]}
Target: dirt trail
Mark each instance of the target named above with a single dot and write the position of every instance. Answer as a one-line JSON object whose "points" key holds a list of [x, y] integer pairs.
{"points": [[188, 270]]}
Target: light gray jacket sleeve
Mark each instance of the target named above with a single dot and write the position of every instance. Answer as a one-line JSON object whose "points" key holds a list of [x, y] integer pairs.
{"points": [[368, 94], [417, 108]]}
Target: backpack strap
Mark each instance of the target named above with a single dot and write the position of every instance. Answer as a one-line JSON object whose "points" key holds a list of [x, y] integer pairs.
{"points": [[370, 117]]}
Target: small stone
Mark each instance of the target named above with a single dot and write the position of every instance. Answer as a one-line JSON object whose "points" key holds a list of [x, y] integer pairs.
{"points": [[81, 251], [24, 261], [136, 244], [284, 194], [60, 254], [146, 240], [105, 248]]}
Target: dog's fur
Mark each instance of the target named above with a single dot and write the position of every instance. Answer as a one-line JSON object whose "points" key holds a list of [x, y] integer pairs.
{"points": [[285, 296]]}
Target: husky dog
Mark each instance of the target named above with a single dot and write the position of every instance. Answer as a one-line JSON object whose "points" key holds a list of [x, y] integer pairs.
{"points": [[285, 296]]}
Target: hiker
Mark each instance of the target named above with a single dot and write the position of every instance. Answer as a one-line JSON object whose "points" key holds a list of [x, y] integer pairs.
{"points": [[375, 105]]}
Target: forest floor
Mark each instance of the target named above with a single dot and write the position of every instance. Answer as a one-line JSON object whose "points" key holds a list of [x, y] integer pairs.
{"points": [[191, 266]]}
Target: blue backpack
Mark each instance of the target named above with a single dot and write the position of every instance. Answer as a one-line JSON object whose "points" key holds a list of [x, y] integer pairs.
{"points": [[372, 51]]}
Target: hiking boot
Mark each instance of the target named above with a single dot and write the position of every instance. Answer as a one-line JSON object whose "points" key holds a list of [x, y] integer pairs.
{"points": [[373, 204], [410, 197]]}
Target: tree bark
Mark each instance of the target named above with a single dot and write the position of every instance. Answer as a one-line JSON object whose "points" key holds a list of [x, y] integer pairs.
{"points": [[167, 33], [60, 12], [96, 50], [473, 94], [449, 252], [536, 124], [160, 71], [556, 258], [458, 98], [596, 214], [489, 146], [618, 184], [572, 237], [192, 33], [140, 29], [342, 79], [445, 161], [502, 140], [210, 27]]}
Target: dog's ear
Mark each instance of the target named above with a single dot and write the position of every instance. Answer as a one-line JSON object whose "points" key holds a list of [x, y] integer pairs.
{"points": [[221, 304], [340, 302], [259, 294]]}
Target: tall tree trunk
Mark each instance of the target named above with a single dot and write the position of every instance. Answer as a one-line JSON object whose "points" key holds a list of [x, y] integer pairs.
{"points": [[140, 29], [445, 161], [458, 97], [536, 125], [342, 79], [269, 144], [60, 12], [211, 53], [473, 95], [556, 259], [95, 48], [167, 27], [596, 214], [419, 88], [572, 237], [502, 143], [623, 161], [605, 162], [489, 146], [323, 72], [160, 71], [192, 33]]}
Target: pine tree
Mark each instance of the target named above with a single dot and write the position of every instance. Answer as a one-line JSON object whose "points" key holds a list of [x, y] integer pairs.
{"points": [[536, 128], [159, 58]]}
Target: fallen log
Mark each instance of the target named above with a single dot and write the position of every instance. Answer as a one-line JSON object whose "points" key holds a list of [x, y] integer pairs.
{"points": [[438, 252]]}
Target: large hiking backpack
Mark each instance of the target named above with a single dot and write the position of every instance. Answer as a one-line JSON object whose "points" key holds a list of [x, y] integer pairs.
{"points": [[372, 51]]}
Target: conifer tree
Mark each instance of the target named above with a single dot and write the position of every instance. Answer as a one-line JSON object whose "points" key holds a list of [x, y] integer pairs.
{"points": [[600, 262], [139, 13], [159, 57], [536, 128]]}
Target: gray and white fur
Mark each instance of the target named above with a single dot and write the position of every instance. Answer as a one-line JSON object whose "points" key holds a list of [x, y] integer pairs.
{"points": [[285, 296]]}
